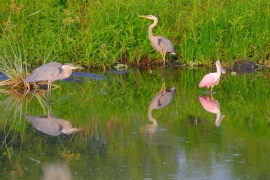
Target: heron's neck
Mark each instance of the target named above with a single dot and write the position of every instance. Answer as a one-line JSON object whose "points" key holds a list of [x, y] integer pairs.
{"points": [[150, 32], [150, 117], [65, 73]]}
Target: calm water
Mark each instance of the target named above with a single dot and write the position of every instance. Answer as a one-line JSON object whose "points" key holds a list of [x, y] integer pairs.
{"points": [[117, 141]]}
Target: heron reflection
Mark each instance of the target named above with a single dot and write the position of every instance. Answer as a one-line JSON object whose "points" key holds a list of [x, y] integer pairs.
{"points": [[162, 99], [51, 125], [212, 105]]}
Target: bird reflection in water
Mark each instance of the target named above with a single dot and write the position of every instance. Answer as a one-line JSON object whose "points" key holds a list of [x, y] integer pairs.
{"points": [[162, 99], [50, 124], [212, 105], [57, 171]]}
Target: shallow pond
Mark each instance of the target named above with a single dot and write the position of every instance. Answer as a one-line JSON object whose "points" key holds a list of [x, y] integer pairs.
{"points": [[116, 140]]}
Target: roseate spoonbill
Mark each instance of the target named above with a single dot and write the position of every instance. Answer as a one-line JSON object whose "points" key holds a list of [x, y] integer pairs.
{"points": [[212, 79], [211, 105], [160, 43], [51, 72], [51, 125], [159, 101]]}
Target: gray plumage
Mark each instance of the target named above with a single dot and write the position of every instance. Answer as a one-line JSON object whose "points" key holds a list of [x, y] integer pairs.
{"points": [[161, 100], [51, 72], [51, 125], [160, 43]]}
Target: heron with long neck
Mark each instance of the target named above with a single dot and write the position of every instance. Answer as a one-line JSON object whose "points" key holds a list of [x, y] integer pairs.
{"points": [[160, 44]]}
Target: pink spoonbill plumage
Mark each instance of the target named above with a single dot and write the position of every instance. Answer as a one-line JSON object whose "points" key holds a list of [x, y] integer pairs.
{"points": [[212, 79], [212, 105]]}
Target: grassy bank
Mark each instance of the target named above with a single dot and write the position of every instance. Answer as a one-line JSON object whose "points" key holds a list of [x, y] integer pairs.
{"points": [[103, 33]]}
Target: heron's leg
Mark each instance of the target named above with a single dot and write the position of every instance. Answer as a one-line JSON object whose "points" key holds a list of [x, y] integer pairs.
{"points": [[163, 88], [49, 103], [163, 53], [49, 87]]}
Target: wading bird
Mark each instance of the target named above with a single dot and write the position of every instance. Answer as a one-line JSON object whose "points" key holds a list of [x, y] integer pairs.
{"points": [[212, 79], [51, 72], [211, 105], [159, 101], [160, 43]]}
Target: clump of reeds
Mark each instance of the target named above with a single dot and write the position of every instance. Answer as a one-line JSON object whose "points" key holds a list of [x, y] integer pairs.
{"points": [[13, 69]]}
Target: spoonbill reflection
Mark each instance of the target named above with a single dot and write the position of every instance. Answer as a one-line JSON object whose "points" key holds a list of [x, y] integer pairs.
{"points": [[162, 99], [51, 125], [211, 105], [212, 79]]}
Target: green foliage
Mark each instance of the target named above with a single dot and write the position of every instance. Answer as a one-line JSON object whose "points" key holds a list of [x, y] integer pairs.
{"points": [[102, 33]]}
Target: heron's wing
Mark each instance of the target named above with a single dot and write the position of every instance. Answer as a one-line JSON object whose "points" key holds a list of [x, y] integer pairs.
{"points": [[166, 99], [165, 44], [45, 125], [45, 72]]}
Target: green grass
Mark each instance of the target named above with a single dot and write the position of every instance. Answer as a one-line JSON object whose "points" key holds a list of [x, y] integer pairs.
{"points": [[103, 33]]}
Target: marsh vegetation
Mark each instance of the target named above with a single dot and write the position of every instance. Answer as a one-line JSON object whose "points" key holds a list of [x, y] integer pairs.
{"points": [[104, 33], [110, 107]]}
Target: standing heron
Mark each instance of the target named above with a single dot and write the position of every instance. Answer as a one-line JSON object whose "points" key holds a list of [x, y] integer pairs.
{"points": [[159, 101], [160, 43], [51, 72], [212, 79]]}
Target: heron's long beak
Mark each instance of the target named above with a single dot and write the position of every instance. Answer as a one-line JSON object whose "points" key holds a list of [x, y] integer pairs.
{"points": [[72, 130], [76, 67]]}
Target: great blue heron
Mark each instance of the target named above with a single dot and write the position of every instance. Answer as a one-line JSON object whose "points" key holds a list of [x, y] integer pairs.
{"points": [[51, 72], [51, 125], [212, 105], [212, 79], [159, 101], [160, 43]]}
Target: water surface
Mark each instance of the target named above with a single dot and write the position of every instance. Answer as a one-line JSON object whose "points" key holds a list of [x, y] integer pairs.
{"points": [[115, 142]]}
